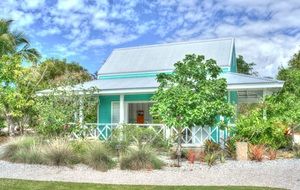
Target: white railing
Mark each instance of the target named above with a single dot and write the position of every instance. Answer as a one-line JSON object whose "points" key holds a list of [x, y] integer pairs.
{"points": [[191, 136]]}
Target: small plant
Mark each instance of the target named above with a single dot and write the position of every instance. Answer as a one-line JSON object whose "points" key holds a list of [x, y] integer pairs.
{"points": [[256, 152], [59, 153], [211, 159], [183, 154], [211, 147], [230, 148], [98, 158], [202, 156], [139, 160], [222, 157], [272, 154], [191, 156]]}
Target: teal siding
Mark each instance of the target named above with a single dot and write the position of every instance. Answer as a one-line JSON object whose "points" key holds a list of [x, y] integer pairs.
{"points": [[233, 67], [131, 75], [138, 97], [105, 108]]}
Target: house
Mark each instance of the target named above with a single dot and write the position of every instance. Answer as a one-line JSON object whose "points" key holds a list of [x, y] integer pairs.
{"points": [[127, 81]]}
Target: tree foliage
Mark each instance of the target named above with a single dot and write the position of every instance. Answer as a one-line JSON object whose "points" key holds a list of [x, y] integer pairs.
{"points": [[256, 130], [193, 94], [58, 72], [287, 101], [17, 90], [244, 67], [15, 42], [61, 107], [282, 111]]}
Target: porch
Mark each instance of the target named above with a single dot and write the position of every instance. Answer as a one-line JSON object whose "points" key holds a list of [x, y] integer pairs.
{"points": [[115, 111]]}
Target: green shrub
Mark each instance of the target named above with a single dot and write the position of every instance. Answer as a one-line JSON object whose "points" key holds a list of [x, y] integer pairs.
{"points": [[130, 135], [58, 152], [118, 142], [139, 160], [98, 158], [254, 129], [161, 144], [80, 147]]}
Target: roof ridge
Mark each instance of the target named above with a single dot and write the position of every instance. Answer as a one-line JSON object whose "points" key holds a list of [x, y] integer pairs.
{"points": [[174, 43]]}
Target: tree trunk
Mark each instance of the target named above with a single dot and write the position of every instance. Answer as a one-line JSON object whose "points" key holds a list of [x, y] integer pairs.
{"points": [[178, 148], [10, 124]]}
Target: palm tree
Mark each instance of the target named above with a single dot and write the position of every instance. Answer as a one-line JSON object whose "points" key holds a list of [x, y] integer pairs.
{"points": [[14, 42]]}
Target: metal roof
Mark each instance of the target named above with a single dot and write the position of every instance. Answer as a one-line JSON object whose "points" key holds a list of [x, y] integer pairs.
{"points": [[235, 81], [162, 57]]}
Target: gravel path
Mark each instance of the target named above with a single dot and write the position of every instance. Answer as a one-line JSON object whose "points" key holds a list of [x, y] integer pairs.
{"points": [[279, 173]]}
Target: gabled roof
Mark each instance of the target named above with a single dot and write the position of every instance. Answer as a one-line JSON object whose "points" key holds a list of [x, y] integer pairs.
{"points": [[161, 57]]}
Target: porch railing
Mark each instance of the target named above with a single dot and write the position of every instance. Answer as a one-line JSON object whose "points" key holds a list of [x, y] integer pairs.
{"points": [[191, 136]]}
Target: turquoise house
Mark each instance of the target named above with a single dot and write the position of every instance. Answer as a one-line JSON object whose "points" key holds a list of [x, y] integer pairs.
{"points": [[127, 81]]}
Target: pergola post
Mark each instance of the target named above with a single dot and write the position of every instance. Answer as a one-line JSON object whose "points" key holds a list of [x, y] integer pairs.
{"points": [[264, 109], [81, 115]]}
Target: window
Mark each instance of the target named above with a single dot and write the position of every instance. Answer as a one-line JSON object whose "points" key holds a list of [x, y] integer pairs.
{"points": [[115, 112]]}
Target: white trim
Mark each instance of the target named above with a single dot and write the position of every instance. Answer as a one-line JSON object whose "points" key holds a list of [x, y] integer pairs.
{"points": [[128, 91], [254, 86], [137, 101]]}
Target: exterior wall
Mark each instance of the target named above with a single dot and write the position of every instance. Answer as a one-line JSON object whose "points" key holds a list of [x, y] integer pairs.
{"points": [[105, 108]]}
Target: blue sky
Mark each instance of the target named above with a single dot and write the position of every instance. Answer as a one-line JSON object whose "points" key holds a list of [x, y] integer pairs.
{"points": [[267, 32]]}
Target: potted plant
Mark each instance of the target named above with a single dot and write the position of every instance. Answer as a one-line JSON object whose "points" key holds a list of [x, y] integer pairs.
{"points": [[296, 135], [242, 149]]}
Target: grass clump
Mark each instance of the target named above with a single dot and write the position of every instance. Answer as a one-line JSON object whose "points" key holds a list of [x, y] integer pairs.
{"points": [[24, 150], [139, 160], [98, 158], [59, 153]]}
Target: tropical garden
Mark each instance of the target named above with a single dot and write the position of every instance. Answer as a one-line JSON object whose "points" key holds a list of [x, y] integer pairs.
{"points": [[36, 128]]}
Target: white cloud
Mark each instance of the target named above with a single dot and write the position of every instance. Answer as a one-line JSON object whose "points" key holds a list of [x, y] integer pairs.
{"points": [[267, 32], [50, 31], [33, 4], [67, 5]]}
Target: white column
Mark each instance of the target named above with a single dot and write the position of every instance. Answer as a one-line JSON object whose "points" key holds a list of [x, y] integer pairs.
{"points": [[81, 116], [122, 108]]}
